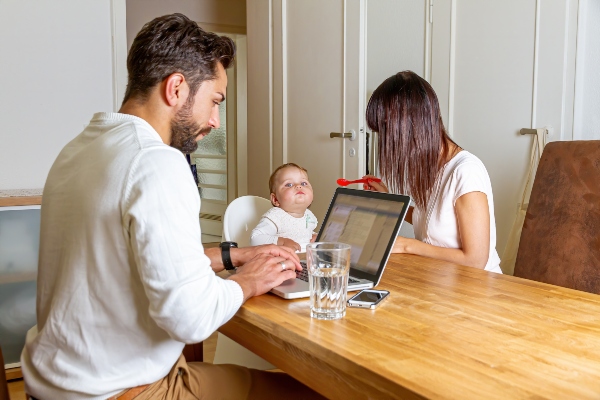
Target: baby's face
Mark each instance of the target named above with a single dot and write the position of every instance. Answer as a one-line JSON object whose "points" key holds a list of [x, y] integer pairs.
{"points": [[293, 192]]}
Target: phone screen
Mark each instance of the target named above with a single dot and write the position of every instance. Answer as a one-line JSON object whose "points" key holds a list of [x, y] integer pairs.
{"points": [[369, 296]]}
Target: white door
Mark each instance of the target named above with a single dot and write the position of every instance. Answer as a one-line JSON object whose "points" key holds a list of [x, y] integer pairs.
{"points": [[500, 66], [307, 78], [303, 83], [497, 67]]}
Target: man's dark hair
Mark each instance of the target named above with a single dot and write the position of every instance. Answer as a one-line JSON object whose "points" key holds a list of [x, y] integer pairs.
{"points": [[174, 43]]}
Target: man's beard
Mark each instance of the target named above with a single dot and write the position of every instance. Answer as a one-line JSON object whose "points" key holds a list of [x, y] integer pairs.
{"points": [[184, 130]]}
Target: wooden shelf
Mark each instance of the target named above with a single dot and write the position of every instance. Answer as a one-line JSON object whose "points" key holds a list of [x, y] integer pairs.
{"points": [[13, 373], [20, 201]]}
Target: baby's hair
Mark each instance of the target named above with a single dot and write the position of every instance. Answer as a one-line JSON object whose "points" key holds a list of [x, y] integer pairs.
{"points": [[281, 167]]}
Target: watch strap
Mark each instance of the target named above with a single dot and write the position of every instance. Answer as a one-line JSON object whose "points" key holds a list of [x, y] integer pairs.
{"points": [[226, 254]]}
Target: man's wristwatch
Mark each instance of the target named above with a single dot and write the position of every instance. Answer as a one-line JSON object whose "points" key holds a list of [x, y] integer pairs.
{"points": [[226, 255]]}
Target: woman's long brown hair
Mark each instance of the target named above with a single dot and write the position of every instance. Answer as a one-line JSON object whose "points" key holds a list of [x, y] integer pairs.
{"points": [[413, 143]]}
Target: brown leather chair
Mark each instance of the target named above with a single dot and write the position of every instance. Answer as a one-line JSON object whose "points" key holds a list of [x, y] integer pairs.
{"points": [[560, 241], [3, 383]]}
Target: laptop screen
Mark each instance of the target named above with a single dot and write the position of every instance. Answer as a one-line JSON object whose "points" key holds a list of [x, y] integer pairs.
{"points": [[369, 222]]}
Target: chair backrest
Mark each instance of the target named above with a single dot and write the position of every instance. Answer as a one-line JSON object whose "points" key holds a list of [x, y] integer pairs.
{"points": [[241, 216], [560, 240], [3, 383]]}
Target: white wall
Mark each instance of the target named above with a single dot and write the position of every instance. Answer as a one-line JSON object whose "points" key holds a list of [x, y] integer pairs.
{"points": [[395, 39], [56, 71], [587, 103]]}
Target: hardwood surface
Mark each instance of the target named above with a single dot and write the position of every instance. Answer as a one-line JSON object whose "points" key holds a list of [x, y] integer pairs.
{"points": [[445, 332]]}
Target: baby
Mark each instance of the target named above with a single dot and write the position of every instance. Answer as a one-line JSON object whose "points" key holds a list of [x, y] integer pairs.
{"points": [[289, 223]]}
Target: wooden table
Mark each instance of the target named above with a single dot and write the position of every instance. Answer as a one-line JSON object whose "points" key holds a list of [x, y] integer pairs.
{"points": [[446, 331]]}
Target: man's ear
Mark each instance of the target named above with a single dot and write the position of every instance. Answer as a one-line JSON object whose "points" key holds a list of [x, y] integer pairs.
{"points": [[176, 89], [274, 200]]}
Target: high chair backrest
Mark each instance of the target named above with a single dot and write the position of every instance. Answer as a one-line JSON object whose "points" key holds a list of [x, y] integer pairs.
{"points": [[241, 216]]}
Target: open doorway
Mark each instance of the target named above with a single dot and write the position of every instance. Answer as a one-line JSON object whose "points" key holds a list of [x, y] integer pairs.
{"points": [[221, 156]]}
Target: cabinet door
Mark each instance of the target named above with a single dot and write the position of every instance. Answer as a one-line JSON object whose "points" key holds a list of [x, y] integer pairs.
{"points": [[501, 66], [19, 246]]}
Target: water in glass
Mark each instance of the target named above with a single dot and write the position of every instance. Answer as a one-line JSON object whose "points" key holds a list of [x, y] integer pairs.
{"points": [[328, 267], [328, 287]]}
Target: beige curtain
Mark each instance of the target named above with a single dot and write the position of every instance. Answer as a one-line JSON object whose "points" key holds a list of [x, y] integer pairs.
{"points": [[507, 263]]}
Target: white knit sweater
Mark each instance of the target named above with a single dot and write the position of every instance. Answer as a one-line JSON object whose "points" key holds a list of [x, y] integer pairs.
{"points": [[123, 280]]}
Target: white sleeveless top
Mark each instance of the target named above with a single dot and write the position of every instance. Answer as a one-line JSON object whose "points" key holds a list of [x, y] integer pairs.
{"points": [[277, 223], [437, 225]]}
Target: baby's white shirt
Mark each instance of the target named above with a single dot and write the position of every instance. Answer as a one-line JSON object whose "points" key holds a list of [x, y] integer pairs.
{"points": [[277, 223]]}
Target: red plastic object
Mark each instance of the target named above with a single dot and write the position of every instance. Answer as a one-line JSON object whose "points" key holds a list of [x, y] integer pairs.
{"points": [[346, 182]]}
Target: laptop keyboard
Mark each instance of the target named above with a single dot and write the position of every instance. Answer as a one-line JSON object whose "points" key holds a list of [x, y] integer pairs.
{"points": [[303, 275]]}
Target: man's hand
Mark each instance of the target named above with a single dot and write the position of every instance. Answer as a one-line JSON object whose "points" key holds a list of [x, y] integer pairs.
{"points": [[288, 243], [263, 273], [243, 255]]}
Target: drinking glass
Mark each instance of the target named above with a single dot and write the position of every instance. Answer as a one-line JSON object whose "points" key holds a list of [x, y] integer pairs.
{"points": [[328, 266]]}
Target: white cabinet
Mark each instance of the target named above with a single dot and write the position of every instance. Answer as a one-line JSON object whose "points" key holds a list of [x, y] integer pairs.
{"points": [[19, 246]]}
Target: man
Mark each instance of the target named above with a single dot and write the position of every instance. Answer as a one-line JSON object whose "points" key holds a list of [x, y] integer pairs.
{"points": [[123, 279]]}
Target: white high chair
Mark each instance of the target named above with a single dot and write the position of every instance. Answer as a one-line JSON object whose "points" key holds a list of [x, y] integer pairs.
{"points": [[241, 216]]}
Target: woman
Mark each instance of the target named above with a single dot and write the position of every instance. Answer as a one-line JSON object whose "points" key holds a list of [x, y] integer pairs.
{"points": [[453, 216]]}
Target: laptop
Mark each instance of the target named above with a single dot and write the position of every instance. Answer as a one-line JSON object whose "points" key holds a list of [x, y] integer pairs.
{"points": [[369, 222]]}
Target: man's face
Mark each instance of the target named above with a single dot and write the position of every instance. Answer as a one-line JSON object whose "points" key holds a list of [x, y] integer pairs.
{"points": [[199, 114]]}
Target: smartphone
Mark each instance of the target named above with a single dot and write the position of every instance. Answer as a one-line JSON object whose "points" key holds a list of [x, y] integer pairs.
{"points": [[368, 298]]}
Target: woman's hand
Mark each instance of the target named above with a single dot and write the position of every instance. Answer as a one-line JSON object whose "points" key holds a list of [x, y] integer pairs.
{"points": [[403, 245], [374, 186]]}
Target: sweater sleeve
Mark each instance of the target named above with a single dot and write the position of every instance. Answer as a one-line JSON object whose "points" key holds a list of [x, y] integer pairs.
{"points": [[264, 233], [160, 216]]}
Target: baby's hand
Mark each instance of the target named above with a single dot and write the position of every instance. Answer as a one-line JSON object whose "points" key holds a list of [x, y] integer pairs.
{"points": [[288, 243], [314, 237]]}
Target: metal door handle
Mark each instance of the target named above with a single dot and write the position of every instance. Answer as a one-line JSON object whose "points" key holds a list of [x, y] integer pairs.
{"points": [[346, 135], [528, 131]]}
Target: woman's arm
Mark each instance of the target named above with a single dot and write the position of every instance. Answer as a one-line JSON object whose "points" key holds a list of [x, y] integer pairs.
{"points": [[473, 216]]}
